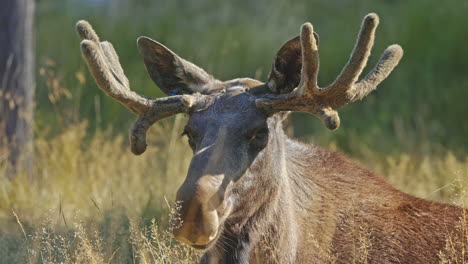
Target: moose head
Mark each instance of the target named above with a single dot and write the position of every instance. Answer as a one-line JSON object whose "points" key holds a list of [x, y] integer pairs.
{"points": [[234, 126]]}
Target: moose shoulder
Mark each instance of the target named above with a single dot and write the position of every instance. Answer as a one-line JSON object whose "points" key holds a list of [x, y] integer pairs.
{"points": [[252, 195]]}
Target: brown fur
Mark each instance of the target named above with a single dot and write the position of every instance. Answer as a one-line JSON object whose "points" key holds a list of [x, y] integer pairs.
{"points": [[354, 203], [318, 207]]}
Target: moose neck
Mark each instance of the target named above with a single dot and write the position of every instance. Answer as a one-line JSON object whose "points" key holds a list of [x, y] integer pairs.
{"points": [[262, 223]]}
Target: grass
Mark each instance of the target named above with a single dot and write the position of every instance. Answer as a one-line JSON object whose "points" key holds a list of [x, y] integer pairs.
{"points": [[419, 108], [90, 200]]}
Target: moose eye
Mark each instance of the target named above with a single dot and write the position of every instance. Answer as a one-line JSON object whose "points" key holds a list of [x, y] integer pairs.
{"points": [[263, 132], [190, 137], [259, 138]]}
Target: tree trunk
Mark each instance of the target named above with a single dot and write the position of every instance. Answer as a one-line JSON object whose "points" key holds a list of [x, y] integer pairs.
{"points": [[16, 83]]}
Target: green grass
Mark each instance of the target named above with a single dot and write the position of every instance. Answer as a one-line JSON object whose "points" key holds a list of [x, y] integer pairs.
{"points": [[419, 108]]}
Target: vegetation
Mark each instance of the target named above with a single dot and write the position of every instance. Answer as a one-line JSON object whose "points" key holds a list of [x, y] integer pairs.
{"points": [[89, 200]]}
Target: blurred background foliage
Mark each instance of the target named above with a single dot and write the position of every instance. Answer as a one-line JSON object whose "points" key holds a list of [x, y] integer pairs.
{"points": [[419, 109]]}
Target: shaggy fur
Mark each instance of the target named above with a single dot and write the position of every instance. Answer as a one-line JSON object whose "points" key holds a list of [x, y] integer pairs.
{"points": [[325, 208], [298, 203]]}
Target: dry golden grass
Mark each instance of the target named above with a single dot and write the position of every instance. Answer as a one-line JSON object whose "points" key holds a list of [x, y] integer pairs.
{"points": [[89, 200]]}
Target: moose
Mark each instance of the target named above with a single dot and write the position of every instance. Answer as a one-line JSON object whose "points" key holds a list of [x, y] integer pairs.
{"points": [[252, 194]]}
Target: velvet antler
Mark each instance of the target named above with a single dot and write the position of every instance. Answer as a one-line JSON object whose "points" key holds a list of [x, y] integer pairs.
{"points": [[323, 102], [104, 65]]}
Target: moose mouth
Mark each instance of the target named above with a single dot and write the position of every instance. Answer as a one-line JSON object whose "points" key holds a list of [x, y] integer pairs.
{"points": [[211, 242]]}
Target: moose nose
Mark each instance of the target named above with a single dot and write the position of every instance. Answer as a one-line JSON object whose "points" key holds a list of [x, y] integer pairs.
{"points": [[198, 227], [199, 211]]}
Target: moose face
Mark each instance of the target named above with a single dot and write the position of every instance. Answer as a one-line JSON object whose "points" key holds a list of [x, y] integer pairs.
{"points": [[225, 138]]}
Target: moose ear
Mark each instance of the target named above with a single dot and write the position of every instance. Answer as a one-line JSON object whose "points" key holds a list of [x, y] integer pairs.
{"points": [[172, 74], [285, 74]]}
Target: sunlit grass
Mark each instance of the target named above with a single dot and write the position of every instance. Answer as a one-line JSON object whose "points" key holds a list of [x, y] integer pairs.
{"points": [[89, 200]]}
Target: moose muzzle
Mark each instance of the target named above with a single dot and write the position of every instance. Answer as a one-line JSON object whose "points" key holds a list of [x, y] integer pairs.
{"points": [[200, 210]]}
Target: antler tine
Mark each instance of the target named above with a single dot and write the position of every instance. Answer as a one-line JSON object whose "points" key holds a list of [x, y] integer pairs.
{"points": [[106, 70], [323, 103], [308, 88], [86, 31], [360, 54], [104, 65], [113, 58], [384, 67], [310, 62], [108, 82], [306, 97], [162, 108]]}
